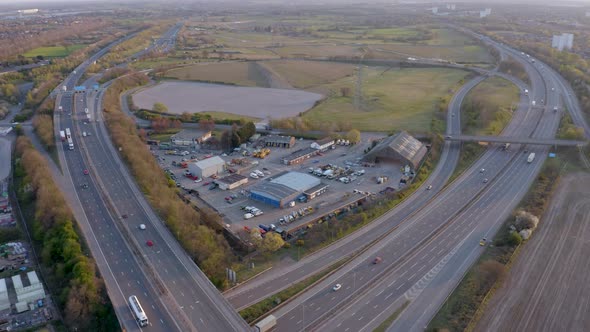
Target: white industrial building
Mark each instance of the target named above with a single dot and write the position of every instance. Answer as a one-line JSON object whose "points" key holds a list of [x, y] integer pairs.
{"points": [[4, 300], [323, 144], [207, 167], [485, 13], [28, 292], [231, 181], [563, 41], [190, 137]]}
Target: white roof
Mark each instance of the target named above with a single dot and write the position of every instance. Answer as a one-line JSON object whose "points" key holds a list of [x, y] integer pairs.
{"points": [[209, 162], [17, 282], [33, 279], [297, 181], [2, 286]]}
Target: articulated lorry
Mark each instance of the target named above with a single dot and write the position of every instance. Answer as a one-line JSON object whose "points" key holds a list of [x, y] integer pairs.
{"points": [[266, 324]]}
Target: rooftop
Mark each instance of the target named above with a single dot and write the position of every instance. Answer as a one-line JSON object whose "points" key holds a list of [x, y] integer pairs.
{"points": [[278, 139], [405, 145], [276, 190], [325, 140], [297, 181], [300, 153], [232, 178], [213, 161], [189, 134]]}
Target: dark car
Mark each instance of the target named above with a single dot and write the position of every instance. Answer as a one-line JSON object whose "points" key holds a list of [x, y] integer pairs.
{"points": [[124, 216], [85, 172], [84, 186]]}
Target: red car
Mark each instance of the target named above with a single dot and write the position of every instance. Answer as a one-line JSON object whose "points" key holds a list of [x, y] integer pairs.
{"points": [[149, 243], [206, 183], [85, 172]]}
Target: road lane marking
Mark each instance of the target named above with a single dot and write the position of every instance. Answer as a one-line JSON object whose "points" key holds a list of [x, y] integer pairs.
{"points": [[291, 317], [318, 308], [400, 286], [361, 317]]}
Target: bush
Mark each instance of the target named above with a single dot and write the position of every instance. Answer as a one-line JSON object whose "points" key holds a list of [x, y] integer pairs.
{"points": [[514, 239]]}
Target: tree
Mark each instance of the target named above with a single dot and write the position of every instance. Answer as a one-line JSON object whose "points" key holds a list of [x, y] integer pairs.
{"points": [[186, 117], [345, 92], [247, 131], [354, 136], [160, 108], [206, 124], [272, 242]]}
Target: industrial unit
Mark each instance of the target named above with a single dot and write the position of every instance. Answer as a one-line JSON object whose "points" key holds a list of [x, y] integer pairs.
{"points": [[190, 137], [231, 181], [323, 144], [207, 167], [398, 148], [279, 141], [299, 156], [284, 189]]}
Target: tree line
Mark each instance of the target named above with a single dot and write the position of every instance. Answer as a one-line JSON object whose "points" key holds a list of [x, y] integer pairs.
{"points": [[198, 233], [67, 265]]}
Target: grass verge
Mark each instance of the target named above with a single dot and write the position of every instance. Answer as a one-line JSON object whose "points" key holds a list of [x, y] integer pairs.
{"points": [[386, 323], [255, 311], [53, 51], [464, 305]]}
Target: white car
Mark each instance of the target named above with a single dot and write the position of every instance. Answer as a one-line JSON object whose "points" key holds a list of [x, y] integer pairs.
{"points": [[142, 226], [198, 180], [336, 287], [482, 170], [248, 216], [253, 175]]}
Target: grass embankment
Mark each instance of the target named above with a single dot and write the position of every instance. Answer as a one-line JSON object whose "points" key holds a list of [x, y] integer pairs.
{"points": [[53, 51], [257, 310], [235, 73], [211, 251], [393, 99], [486, 110], [463, 305], [68, 270], [514, 68], [568, 130], [309, 74]]}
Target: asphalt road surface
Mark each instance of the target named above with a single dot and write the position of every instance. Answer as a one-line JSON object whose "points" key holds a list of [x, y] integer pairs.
{"points": [[548, 286], [124, 276], [431, 228]]}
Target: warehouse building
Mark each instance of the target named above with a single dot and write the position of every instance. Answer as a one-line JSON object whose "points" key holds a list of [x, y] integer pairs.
{"points": [[4, 300], [231, 181], [299, 156], [284, 189], [323, 144], [207, 167], [401, 148], [279, 141], [190, 137]]}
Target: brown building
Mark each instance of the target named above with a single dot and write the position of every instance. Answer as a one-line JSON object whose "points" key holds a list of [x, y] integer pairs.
{"points": [[401, 148], [279, 141]]}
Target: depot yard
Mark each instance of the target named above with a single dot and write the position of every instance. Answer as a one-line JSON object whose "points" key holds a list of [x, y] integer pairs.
{"points": [[230, 203]]}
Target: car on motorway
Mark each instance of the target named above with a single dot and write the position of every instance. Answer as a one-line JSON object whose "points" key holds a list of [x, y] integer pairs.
{"points": [[483, 242], [429, 187], [482, 170], [448, 136], [84, 186], [377, 260], [149, 243], [485, 180], [124, 216], [336, 287], [86, 172], [142, 226]]}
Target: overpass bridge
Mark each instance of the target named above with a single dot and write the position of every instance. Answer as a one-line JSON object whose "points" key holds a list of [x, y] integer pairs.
{"points": [[515, 140]]}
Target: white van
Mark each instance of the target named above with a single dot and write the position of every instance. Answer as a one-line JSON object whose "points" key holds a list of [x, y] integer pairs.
{"points": [[248, 216]]}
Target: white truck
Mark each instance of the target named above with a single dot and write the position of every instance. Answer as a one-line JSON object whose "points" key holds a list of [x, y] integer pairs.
{"points": [[526, 92], [534, 103], [531, 157], [266, 324]]}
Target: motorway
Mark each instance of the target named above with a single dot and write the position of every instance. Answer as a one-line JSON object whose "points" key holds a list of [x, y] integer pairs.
{"points": [[175, 293], [445, 218], [520, 140]]}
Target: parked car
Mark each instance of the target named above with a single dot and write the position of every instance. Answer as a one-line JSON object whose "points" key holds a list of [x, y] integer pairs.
{"points": [[248, 216]]}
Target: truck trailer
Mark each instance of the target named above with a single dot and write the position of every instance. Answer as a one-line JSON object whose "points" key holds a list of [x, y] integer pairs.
{"points": [[531, 157], [266, 324], [62, 135]]}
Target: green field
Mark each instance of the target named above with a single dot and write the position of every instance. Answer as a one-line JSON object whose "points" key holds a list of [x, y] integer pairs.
{"points": [[488, 107], [307, 74], [397, 99], [238, 73], [53, 51]]}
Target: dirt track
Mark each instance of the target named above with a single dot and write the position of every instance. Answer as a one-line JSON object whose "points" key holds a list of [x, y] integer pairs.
{"points": [[548, 287]]}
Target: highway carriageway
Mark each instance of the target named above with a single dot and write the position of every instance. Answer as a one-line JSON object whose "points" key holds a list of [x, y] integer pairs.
{"points": [[516, 140]]}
